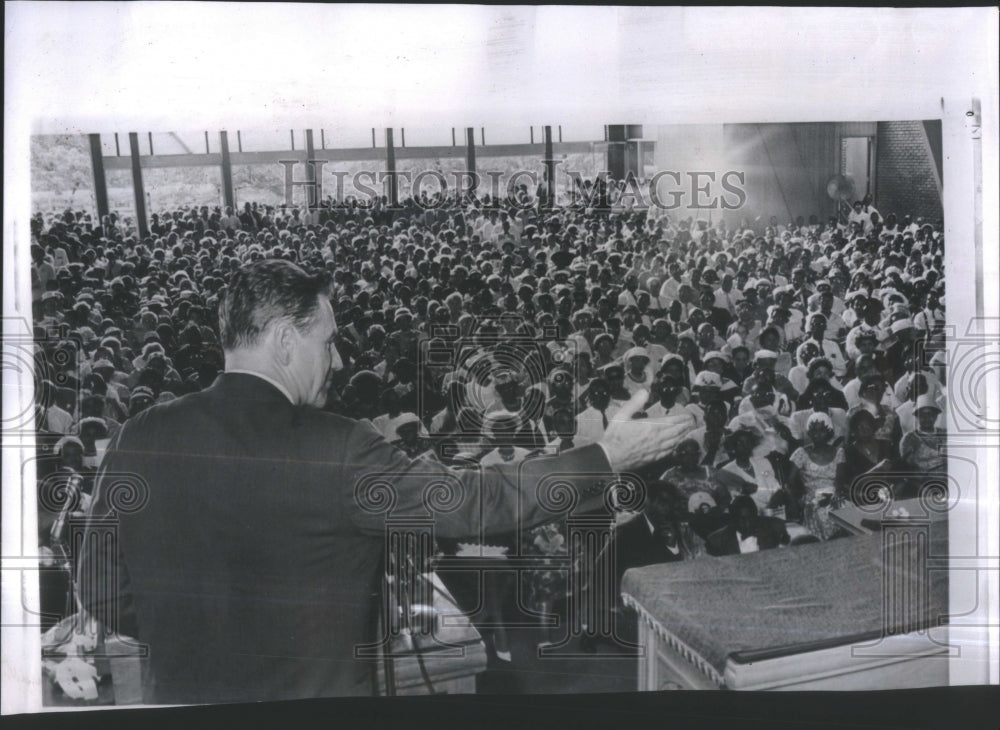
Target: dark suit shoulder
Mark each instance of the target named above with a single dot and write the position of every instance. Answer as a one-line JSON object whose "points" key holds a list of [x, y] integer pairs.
{"points": [[722, 541], [636, 528], [159, 415], [319, 431], [307, 415], [772, 531]]}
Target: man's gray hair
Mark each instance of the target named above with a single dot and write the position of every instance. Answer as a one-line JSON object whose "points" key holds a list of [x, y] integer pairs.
{"points": [[263, 292]]}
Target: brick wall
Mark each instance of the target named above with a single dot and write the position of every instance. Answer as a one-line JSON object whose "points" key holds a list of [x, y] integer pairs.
{"points": [[906, 178]]}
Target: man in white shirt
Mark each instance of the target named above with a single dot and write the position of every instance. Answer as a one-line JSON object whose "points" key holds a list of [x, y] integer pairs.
{"points": [[858, 216], [627, 297], [817, 328], [501, 426], [670, 389], [726, 296], [670, 287], [594, 420], [747, 531]]}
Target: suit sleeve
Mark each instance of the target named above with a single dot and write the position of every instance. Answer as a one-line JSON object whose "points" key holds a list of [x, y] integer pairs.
{"points": [[778, 530], [470, 503]]}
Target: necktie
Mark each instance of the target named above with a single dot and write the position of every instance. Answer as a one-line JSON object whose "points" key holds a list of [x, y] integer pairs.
{"points": [[604, 419]]}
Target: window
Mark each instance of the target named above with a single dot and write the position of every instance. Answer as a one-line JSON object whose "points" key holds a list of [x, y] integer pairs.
{"points": [[857, 162], [265, 140], [61, 174], [424, 137], [426, 175], [172, 188], [347, 138]]}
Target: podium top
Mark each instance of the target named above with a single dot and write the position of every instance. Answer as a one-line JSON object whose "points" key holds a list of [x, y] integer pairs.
{"points": [[792, 600]]}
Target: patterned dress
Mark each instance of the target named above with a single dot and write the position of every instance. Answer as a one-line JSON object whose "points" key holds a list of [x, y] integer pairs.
{"points": [[820, 485]]}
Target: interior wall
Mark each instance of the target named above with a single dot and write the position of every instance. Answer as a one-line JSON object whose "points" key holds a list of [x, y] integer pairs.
{"points": [[786, 167], [909, 179], [684, 149]]}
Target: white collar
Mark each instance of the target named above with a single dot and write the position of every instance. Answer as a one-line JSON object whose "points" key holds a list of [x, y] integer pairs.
{"points": [[272, 381], [748, 544]]}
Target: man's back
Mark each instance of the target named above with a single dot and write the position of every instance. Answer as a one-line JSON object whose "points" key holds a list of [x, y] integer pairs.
{"points": [[254, 566], [238, 561]]}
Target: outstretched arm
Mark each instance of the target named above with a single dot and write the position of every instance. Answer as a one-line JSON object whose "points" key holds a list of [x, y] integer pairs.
{"points": [[493, 499]]}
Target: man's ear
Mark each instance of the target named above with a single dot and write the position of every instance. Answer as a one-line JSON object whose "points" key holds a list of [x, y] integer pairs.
{"points": [[286, 339]]}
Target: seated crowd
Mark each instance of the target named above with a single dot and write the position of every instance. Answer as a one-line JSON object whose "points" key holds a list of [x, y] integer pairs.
{"points": [[804, 356]]}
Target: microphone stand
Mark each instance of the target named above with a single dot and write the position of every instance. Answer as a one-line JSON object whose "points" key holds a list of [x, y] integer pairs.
{"points": [[57, 538]]}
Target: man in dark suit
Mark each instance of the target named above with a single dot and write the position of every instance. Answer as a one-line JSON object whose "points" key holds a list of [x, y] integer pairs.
{"points": [[249, 556], [718, 317], [655, 536], [747, 531]]}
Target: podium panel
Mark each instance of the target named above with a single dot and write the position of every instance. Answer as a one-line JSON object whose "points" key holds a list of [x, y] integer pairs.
{"points": [[822, 616]]}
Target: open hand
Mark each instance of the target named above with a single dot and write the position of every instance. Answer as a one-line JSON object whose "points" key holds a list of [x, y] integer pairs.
{"points": [[632, 443]]}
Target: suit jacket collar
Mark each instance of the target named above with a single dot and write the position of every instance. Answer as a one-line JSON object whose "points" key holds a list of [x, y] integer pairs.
{"points": [[246, 386]]}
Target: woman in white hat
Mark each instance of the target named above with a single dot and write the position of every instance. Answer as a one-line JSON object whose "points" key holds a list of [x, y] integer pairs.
{"points": [[638, 372], [798, 375], [748, 474], [820, 397], [704, 515], [690, 476], [917, 385], [857, 303], [711, 435], [409, 435], [923, 449], [817, 481]]}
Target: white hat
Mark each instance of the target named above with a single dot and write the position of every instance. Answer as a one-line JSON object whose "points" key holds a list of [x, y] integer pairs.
{"points": [[671, 357], [927, 401], [636, 352], [699, 498], [406, 418], [707, 379], [902, 324], [409, 417], [66, 440], [582, 346], [819, 418], [765, 355], [715, 355]]}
